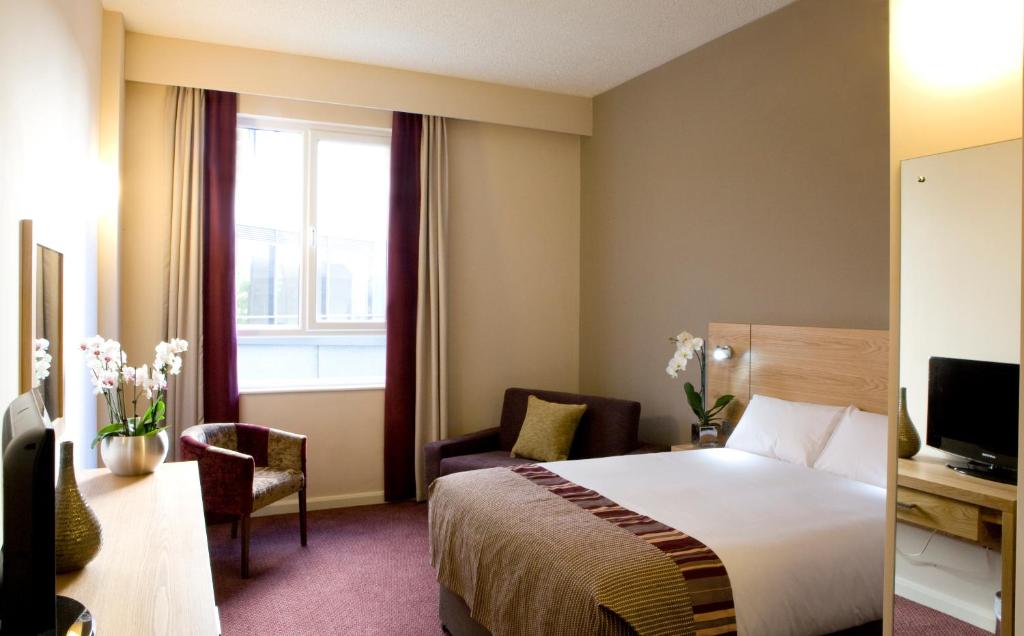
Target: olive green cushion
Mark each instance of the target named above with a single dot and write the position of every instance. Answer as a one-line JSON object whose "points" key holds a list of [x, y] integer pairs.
{"points": [[548, 429]]}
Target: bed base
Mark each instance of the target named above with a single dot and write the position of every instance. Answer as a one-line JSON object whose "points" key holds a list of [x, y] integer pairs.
{"points": [[456, 621]]}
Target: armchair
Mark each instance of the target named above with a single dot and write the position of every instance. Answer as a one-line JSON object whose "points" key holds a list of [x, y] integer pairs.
{"points": [[244, 467], [608, 427]]}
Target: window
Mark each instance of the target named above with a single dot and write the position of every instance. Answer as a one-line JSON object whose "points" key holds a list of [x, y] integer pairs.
{"points": [[311, 224]]}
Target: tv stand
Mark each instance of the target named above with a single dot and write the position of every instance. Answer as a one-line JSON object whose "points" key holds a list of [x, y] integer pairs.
{"points": [[985, 471], [980, 511]]}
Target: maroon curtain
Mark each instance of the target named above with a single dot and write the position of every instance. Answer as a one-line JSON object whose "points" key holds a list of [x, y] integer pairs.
{"points": [[403, 265], [220, 344]]}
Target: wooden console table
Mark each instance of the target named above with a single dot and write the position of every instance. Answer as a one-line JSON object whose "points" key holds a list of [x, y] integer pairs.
{"points": [[930, 495], [152, 575]]}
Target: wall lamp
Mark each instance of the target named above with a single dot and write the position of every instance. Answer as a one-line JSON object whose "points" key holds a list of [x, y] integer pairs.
{"points": [[722, 352]]}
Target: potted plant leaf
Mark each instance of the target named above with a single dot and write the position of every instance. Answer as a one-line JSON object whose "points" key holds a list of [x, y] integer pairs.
{"points": [[708, 427]]}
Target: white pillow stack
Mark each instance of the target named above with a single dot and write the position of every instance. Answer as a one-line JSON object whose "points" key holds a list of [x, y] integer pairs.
{"points": [[857, 447], [844, 441], [794, 432]]}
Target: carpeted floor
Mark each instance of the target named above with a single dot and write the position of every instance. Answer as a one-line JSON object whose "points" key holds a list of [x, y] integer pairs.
{"points": [[913, 619], [366, 571]]}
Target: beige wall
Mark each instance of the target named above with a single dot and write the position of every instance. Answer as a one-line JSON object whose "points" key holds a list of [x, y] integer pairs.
{"points": [[159, 60], [345, 453], [928, 117], [514, 268], [745, 181], [49, 170], [145, 218], [513, 280]]}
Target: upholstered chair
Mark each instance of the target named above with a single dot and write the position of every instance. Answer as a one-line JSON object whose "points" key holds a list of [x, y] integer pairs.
{"points": [[244, 467]]}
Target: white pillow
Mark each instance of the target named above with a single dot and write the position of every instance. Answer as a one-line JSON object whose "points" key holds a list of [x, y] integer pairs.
{"points": [[794, 432], [857, 447]]}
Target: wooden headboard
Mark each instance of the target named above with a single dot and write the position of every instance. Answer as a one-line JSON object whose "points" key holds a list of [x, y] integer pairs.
{"points": [[803, 364]]}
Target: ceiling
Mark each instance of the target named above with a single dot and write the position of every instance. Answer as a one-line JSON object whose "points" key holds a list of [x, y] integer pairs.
{"points": [[577, 47]]}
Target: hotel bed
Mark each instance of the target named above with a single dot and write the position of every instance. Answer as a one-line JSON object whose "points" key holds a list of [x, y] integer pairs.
{"points": [[756, 544]]}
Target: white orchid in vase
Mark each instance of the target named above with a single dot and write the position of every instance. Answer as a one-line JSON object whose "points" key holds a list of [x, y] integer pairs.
{"points": [[689, 347], [124, 387], [41, 359]]}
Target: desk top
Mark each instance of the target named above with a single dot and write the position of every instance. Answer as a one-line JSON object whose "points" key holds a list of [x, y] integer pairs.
{"points": [[929, 473], [152, 574]]}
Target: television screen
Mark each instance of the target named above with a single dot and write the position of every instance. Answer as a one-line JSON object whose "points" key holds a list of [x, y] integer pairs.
{"points": [[973, 409], [27, 589]]}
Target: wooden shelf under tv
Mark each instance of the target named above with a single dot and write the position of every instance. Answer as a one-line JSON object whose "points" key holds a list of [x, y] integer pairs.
{"points": [[931, 495]]}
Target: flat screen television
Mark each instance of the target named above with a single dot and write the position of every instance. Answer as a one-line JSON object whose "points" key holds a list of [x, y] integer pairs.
{"points": [[28, 588], [973, 412]]}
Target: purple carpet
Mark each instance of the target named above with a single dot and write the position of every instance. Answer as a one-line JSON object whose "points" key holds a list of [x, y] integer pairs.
{"points": [[914, 619], [366, 570]]}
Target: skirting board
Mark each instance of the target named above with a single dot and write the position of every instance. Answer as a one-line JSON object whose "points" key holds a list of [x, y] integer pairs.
{"points": [[983, 617], [290, 505]]}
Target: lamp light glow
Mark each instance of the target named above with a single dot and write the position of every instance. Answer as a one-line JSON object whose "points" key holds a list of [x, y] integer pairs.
{"points": [[958, 44], [722, 352]]}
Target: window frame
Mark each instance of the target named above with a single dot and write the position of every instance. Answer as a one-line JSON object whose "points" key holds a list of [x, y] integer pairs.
{"points": [[308, 326]]}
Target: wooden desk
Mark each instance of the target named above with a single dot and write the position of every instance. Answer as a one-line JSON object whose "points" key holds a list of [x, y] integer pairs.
{"points": [[932, 496], [152, 575]]}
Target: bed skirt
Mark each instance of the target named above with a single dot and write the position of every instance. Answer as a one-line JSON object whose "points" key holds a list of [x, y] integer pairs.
{"points": [[456, 621]]}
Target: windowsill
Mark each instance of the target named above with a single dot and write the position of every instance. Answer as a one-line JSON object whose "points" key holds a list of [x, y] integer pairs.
{"points": [[311, 389]]}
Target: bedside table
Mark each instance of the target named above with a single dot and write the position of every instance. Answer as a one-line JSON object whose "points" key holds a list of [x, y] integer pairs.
{"points": [[685, 446]]}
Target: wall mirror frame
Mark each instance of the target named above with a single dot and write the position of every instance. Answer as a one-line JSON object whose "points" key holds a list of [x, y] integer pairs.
{"points": [[41, 315], [958, 240]]}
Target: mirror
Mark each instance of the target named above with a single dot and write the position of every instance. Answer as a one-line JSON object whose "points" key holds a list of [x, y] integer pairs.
{"points": [[42, 312], [960, 281]]}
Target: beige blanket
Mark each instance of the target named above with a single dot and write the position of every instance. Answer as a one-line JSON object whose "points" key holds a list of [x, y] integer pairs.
{"points": [[532, 554]]}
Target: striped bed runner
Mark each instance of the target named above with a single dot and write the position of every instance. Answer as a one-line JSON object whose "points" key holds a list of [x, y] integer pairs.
{"points": [[706, 579]]}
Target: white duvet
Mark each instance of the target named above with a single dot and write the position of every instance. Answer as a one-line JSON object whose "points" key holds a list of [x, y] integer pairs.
{"points": [[803, 548]]}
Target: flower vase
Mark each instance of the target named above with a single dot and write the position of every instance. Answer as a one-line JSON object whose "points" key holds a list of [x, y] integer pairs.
{"points": [[132, 455], [908, 442], [78, 536]]}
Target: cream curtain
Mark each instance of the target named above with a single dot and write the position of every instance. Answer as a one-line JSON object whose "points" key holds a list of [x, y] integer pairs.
{"points": [[431, 301], [183, 311]]}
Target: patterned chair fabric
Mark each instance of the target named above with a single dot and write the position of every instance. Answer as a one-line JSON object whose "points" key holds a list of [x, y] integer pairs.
{"points": [[244, 467]]}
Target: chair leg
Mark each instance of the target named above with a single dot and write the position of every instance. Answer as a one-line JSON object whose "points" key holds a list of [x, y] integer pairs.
{"points": [[245, 546], [234, 528], [302, 515]]}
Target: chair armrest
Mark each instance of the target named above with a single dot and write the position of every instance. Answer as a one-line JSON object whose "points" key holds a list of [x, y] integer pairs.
{"points": [[286, 450], [225, 477], [478, 442]]}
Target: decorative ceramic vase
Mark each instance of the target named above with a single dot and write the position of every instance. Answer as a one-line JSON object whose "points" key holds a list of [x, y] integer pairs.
{"points": [[77, 533], [908, 442], [135, 455]]}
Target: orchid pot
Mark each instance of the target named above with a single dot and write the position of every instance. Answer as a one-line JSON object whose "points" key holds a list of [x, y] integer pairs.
{"points": [[711, 428], [135, 441], [134, 455]]}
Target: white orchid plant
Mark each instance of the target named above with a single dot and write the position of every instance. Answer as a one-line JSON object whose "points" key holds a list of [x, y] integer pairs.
{"points": [[41, 359], [689, 347], [123, 387]]}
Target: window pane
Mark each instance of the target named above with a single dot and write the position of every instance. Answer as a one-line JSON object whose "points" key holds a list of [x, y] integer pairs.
{"points": [[285, 361], [353, 177], [269, 204]]}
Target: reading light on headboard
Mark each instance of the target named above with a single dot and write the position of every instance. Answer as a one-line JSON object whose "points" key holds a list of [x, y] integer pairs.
{"points": [[722, 352]]}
